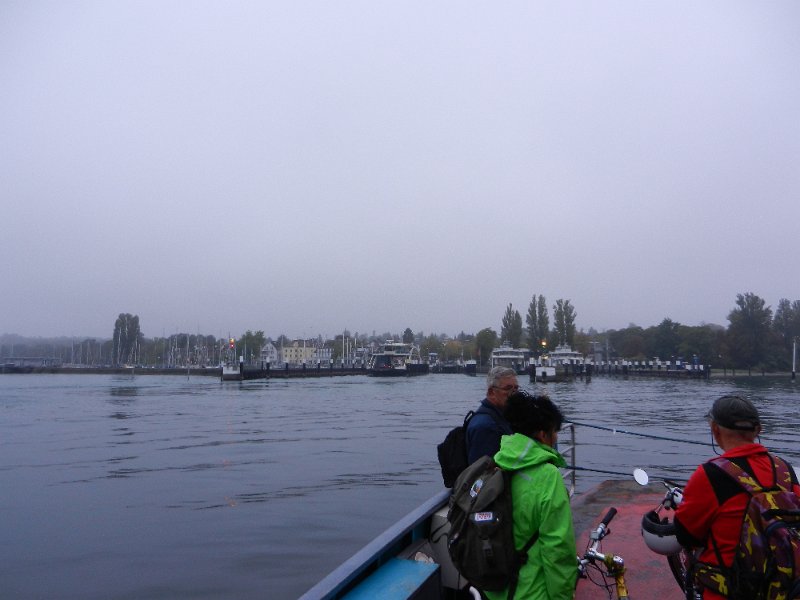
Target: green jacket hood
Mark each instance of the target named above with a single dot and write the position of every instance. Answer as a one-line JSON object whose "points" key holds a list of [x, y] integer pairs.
{"points": [[518, 451]]}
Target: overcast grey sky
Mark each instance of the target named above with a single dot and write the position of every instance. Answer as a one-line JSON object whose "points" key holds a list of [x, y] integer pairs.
{"points": [[304, 167]]}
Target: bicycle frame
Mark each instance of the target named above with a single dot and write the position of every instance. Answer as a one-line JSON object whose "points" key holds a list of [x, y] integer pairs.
{"points": [[614, 564]]}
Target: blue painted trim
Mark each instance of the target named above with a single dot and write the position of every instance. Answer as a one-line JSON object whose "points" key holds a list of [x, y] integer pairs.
{"points": [[378, 551], [397, 579]]}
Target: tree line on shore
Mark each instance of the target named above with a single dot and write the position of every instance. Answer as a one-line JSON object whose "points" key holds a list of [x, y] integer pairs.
{"points": [[756, 337]]}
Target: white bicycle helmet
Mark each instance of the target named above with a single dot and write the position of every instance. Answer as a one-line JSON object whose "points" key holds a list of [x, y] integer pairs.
{"points": [[659, 535]]}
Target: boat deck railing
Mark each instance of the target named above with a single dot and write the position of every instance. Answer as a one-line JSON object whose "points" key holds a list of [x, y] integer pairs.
{"points": [[567, 450]]}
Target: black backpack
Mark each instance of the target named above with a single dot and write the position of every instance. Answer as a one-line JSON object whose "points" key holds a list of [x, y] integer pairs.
{"points": [[453, 452], [481, 536]]}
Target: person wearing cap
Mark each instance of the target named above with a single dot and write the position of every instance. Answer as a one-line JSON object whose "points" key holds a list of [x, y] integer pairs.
{"points": [[711, 512]]}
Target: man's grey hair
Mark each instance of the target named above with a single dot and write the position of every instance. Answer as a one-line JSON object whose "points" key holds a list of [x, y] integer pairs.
{"points": [[496, 374]]}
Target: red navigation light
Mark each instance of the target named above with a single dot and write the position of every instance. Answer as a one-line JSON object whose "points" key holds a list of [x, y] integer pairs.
{"points": [[230, 342]]}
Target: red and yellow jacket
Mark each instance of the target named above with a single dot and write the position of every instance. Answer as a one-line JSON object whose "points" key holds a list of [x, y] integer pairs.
{"points": [[713, 505]]}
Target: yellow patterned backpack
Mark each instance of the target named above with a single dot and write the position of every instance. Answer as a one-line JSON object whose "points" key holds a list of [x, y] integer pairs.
{"points": [[766, 563]]}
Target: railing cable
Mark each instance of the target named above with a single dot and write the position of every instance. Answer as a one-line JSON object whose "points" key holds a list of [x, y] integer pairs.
{"points": [[645, 435], [777, 450]]}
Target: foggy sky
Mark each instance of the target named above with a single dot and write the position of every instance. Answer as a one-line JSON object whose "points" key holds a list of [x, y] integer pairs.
{"points": [[306, 167]]}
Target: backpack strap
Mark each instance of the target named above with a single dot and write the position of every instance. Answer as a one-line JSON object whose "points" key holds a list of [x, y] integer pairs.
{"points": [[783, 474], [523, 552], [467, 418], [780, 475], [522, 556]]}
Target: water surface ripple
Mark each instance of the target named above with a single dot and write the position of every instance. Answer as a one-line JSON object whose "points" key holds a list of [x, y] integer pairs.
{"points": [[116, 487]]}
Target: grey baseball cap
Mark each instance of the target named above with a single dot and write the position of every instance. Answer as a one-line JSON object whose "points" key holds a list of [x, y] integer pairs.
{"points": [[734, 412]]}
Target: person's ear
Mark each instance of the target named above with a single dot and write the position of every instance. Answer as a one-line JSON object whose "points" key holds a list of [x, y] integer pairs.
{"points": [[716, 431]]}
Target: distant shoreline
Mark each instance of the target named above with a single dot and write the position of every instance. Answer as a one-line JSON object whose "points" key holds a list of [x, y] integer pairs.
{"points": [[183, 371], [740, 373], [282, 373]]}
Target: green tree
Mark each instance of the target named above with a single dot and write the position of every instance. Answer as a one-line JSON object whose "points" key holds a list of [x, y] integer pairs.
{"points": [[564, 322], [749, 329], [665, 340], [468, 347], [511, 331], [786, 323], [485, 342], [796, 319], [542, 322], [250, 344], [453, 350], [721, 355], [336, 345], [537, 323], [408, 336], [630, 342], [432, 343], [126, 339], [700, 341], [582, 342]]}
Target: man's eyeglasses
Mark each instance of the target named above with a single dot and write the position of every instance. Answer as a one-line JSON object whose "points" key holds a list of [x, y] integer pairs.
{"points": [[507, 388]]}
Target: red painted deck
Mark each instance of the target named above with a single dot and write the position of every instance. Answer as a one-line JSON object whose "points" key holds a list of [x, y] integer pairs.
{"points": [[647, 574]]}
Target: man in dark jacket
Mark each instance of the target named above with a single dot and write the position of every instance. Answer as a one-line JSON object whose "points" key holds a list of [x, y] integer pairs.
{"points": [[488, 424]]}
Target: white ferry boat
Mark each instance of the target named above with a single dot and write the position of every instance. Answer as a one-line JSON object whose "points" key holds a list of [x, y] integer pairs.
{"points": [[514, 358], [564, 355], [553, 366], [396, 359]]}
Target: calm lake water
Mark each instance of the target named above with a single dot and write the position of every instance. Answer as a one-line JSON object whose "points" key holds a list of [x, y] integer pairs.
{"points": [[155, 487]]}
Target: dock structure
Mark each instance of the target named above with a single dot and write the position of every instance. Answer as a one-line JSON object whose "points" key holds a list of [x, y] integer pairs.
{"points": [[653, 369], [254, 372], [580, 369]]}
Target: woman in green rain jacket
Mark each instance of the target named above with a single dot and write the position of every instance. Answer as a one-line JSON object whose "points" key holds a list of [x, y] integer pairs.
{"points": [[540, 499]]}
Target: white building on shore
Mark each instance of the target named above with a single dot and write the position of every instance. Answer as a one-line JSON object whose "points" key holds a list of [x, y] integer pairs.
{"points": [[269, 353]]}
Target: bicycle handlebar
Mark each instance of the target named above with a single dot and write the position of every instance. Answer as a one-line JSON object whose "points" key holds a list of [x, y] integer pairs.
{"points": [[614, 565], [609, 515], [600, 532], [673, 497]]}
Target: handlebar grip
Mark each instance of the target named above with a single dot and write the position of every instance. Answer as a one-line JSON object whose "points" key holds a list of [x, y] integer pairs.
{"points": [[609, 515]]}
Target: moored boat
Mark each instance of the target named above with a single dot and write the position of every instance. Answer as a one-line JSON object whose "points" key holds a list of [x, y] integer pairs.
{"points": [[243, 372], [543, 374], [557, 365], [231, 372], [396, 359], [564, 355], [239, 371], [514, 358], [451, 366]]}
